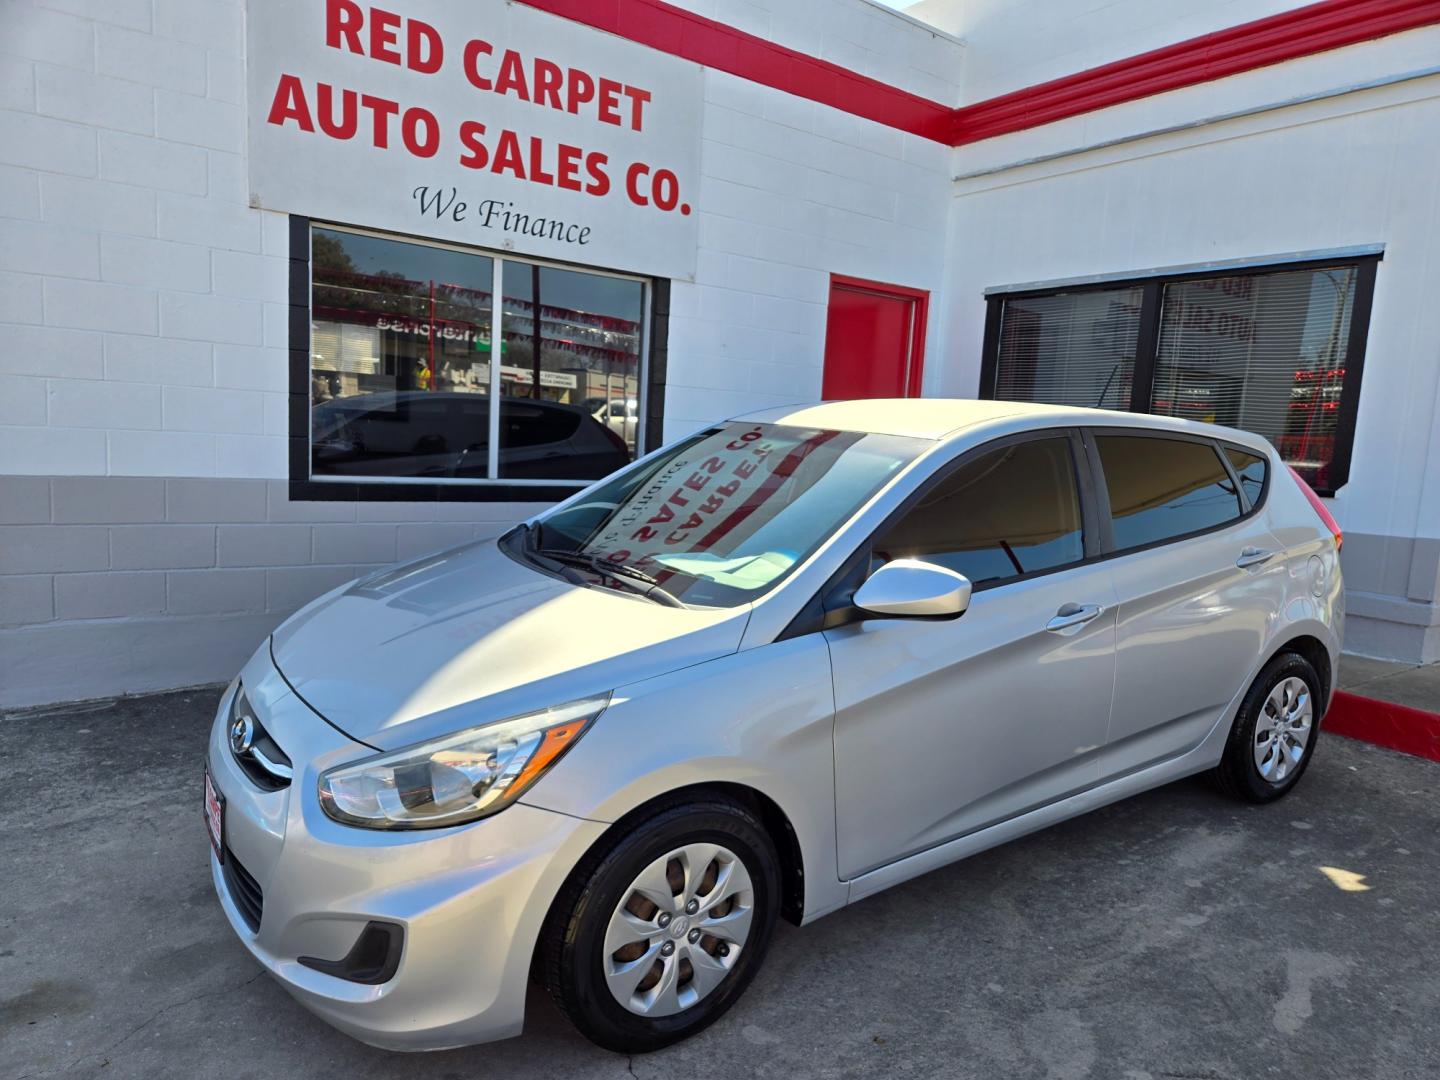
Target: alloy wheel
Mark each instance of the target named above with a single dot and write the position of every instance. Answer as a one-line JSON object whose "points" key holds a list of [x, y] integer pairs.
{"points": [[1282, 732]]}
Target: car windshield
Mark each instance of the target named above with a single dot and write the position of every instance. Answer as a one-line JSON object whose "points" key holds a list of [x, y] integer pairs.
{"points": [[719, 519]]}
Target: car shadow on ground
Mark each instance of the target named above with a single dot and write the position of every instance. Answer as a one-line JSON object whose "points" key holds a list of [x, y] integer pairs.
{"points": [[1174, 934]]}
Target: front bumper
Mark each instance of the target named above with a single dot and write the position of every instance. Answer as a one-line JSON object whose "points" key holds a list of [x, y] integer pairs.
{"points": [[470, 899]]}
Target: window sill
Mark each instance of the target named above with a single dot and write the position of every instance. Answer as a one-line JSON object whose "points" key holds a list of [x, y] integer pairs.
{"points": [[317, 490]]}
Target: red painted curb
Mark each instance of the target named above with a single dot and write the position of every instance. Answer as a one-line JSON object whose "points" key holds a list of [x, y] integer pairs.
{"points": [[1397, 727]]}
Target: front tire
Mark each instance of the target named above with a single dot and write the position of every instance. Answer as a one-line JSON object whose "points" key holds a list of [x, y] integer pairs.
{"points": [[656, 935], [1274, 735]]}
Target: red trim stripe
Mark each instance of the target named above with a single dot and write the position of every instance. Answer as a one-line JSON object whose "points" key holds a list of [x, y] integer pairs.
{"points": [[1289, 35], [1303, 31], [715, 45], [1398, 727]]}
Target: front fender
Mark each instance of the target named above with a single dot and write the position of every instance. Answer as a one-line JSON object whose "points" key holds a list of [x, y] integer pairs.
{"points": [[762, 718]]}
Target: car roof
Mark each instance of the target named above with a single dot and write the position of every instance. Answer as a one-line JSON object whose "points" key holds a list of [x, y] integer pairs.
{"points": [[938, 419]]}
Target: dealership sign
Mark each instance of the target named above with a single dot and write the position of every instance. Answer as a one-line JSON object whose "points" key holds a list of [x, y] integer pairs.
{"points": [[490, 124]]}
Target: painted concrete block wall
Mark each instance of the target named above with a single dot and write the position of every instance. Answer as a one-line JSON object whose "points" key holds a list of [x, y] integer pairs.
{"points": [[120, 584], [148, 539], [791, 192], [1354, 169]]}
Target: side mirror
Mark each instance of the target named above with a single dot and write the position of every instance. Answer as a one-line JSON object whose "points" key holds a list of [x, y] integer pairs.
{"points": [[911, 588]]}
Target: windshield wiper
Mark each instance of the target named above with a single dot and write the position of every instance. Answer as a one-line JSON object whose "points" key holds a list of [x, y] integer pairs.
{"points": [[621, 572], [555, 566]]}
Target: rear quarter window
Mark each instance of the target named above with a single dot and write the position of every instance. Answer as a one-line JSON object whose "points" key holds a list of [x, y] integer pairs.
{"points": [[1161, 489], [1252, 469]]}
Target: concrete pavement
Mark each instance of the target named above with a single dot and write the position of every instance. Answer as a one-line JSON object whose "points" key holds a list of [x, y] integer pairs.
{"points": [[1174, 935], [1416, 686]]}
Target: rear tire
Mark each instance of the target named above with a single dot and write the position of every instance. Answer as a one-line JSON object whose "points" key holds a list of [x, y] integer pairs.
{"points": [[635, 974], [1275, 731]]}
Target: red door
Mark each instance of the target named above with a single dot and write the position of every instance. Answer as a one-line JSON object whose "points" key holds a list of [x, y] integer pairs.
{"points": [[874, 340]]}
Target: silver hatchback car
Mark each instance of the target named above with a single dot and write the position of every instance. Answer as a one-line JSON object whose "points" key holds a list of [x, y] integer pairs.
{"points": [[765, 671]]}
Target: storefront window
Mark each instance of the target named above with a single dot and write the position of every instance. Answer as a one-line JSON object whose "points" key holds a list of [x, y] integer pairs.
{"points": [[402, 372], [1263, 352], [570, 336], [1070, 348], [1270, 351]]}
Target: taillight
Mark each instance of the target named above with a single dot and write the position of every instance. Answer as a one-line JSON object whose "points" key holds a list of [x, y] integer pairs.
{"points": [[1320, 508]]}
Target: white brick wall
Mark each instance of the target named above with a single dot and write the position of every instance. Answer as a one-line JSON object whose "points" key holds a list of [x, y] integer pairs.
{"points": [[128, 252], [791, 192]]}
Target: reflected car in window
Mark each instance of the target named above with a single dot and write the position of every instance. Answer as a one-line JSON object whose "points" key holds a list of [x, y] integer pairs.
{"points": [[424, 435], [622, 416], [777, 666]]}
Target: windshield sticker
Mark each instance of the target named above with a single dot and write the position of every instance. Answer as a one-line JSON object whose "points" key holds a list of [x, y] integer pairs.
{"points": [[704, 497]]}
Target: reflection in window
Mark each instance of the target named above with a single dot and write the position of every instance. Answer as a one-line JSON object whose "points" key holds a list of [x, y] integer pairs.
{"points": [[401, 365], [1266, 351], [1263, 352], [1009, 512], [571, 337], [721, 517], [1069, 348], [1163, 488]]}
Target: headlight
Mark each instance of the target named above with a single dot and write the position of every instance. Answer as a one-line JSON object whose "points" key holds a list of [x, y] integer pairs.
{"points": [[459, 778]]}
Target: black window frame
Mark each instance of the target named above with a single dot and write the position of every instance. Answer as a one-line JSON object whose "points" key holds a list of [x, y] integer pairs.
{"points": [[832, 605], [1259, 456], [1147, 345], [305, 488], [1100, 491]]}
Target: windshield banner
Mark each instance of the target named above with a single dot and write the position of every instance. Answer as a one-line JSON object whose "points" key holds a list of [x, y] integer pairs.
{"points": [[701, 502]]}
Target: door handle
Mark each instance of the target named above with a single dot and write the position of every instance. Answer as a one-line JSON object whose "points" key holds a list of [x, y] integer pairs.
{"points": [[1071, 615], [1253, 556]]}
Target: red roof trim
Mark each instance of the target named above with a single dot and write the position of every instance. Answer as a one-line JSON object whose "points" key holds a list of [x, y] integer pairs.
{"points": [[716, 45], [1289, 35], [1303, 31]]}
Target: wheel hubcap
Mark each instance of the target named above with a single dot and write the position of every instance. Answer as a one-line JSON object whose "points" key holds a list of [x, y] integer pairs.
{"points": [[1282, 734], [679, 930]]}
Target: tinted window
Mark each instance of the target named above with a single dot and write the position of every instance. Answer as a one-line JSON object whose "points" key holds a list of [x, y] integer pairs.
{"points": [[535, 425], [1163, 488], [1251, 469], [1005, 513]]}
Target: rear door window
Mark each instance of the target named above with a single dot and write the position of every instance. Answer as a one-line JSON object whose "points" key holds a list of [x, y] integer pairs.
{"points": [[1161, 489], [1006, 512]]}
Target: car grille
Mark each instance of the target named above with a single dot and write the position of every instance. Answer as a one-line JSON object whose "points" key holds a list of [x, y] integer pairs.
{"points": [[244, 890], [265, 764]]}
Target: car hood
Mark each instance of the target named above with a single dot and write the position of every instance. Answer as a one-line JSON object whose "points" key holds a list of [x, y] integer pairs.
{"points": [[470, 635]]}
